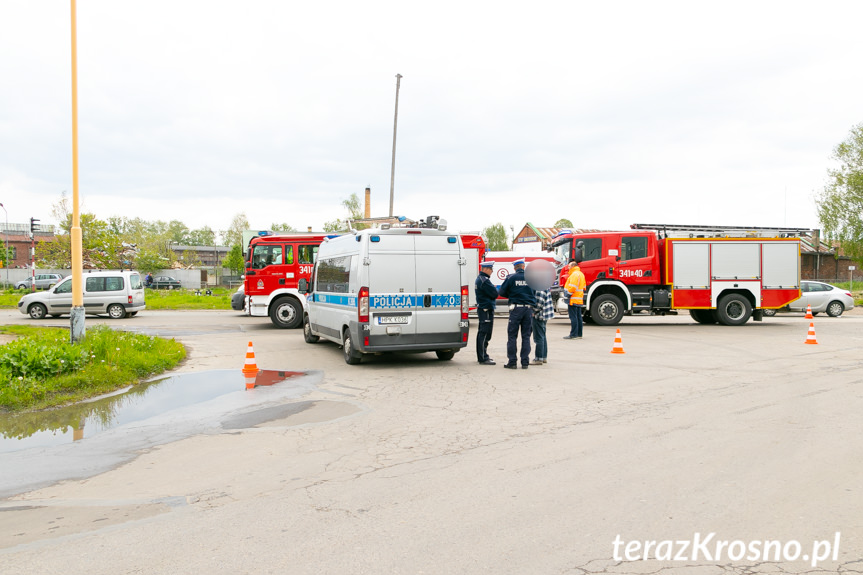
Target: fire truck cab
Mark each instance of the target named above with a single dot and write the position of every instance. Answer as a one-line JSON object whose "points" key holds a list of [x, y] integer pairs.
{"points": [[720, 274], [274, 266]]}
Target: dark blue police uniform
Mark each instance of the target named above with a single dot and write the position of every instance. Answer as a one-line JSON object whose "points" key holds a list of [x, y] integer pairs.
{"points": [[486, 294], [521, 304]]}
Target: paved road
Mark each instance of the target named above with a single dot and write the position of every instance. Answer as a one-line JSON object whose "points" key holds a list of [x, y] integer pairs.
{"points": [[406, 464]]}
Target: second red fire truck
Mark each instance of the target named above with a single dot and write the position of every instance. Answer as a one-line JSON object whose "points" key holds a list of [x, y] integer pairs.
{"points": [[720, 274]]}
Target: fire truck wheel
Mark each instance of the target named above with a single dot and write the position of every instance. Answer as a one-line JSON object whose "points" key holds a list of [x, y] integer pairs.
{"points": [[286, 313], [768, 312], [352, 357], [307, 332], [733, 309], [703, 316], [607, 309]]}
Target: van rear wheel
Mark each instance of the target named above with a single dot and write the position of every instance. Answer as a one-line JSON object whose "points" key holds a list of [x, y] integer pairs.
{"points": [[352, 356], [445, 354], [116, 311]]}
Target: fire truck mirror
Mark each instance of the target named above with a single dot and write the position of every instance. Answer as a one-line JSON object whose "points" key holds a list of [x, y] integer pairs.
{"points": [[303, 286]]}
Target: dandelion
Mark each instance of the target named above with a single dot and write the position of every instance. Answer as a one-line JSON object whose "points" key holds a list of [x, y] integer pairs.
{"points": [[20, 378], [118, 349]]}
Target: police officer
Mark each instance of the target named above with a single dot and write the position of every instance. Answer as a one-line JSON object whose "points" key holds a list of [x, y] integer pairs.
{"points": [[486, 294], [521, 304]]}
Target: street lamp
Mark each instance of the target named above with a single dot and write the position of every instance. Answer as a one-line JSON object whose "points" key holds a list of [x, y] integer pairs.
{"points": [[6, 261]]}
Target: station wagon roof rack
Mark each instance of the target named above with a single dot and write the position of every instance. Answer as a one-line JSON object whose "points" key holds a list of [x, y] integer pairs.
{"points": [[698, 231]]}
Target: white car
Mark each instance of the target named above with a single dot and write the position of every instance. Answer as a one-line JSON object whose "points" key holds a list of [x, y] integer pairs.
{"points": [[822, 297], [118, 294]]}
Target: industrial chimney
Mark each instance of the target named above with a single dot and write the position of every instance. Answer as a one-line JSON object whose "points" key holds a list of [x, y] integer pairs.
{"points": [[368, 203]]}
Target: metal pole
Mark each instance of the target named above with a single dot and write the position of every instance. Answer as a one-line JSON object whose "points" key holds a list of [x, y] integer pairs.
{"points": [[76, 317], [395, 127]]}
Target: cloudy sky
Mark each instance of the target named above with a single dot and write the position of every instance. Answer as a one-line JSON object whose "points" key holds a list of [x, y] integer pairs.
{"points": [[606, 113]]}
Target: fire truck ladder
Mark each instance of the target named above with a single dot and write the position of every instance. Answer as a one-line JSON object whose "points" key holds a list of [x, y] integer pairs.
{"points": [[683, 231]]}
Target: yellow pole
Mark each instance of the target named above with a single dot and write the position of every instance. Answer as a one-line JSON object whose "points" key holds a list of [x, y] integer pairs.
{"points": [[77, 315]]}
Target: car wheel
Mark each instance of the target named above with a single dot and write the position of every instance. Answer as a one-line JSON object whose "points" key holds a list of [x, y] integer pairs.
{"points": [[445, 355], [733, 309], [37, 311], [307, 332], [768, 312], [703, 316], [607, 309], [352, 356], [286, 313], [116, 311], [835, 308]]}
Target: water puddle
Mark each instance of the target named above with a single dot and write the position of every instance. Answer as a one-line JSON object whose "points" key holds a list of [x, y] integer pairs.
{"points": [[141, 402], [87, 438]]}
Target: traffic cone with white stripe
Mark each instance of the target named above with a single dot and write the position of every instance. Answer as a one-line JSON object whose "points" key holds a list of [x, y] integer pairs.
{"points": [[809, 312], [618, 344], [250, 367], [810, 338]]}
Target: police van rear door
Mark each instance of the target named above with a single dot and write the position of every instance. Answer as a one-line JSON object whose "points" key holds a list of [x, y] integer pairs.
{"points": [[438, 281], [392, 286]]}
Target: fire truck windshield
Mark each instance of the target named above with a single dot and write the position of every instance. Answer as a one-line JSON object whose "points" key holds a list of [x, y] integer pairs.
{"points": [[562, 251]]}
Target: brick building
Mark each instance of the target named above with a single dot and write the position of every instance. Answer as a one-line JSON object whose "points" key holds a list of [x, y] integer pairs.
{"points": [[18, 238]]}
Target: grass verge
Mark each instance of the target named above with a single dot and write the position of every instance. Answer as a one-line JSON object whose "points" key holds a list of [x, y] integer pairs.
{"points": [[155, 299], [43, 369]]}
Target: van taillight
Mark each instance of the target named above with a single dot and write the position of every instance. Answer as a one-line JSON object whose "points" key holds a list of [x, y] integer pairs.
{"points": [[465, 304], [363, 305], [130, 299]]}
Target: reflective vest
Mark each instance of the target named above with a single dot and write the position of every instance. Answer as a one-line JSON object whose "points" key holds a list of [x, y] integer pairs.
{"points": [[575, 286]]}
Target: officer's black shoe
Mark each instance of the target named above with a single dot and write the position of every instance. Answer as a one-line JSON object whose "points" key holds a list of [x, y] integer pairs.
{"points": [[524, 367], [488, 362], [510, 366]]}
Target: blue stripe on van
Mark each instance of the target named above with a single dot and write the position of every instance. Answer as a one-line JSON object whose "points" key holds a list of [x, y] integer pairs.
{"points": [[336, 299]]}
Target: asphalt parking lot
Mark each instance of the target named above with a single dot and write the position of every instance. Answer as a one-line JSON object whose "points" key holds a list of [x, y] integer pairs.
{"points": [[407, 464]]}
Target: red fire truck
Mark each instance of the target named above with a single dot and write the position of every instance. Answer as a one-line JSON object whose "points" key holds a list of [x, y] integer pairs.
{"points": [[720, 274], [274, 265]]}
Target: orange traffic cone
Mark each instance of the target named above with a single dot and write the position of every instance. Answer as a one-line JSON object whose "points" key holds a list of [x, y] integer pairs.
{"points": [[811, 337], [618, 344], [809, 312], [251, 378], [250, 368]]}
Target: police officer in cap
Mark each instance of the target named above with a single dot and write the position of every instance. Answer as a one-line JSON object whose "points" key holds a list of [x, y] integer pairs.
{"points": [[486, 294], [521, 304]]}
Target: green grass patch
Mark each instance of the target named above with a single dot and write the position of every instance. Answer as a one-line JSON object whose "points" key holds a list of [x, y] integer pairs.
{"points": [[155, 299], [43, 369], [186, 299]]}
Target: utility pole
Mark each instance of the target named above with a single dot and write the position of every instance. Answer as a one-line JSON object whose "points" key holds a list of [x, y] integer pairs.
{"points": [[6, 259], [76, 316], [395, 128]]}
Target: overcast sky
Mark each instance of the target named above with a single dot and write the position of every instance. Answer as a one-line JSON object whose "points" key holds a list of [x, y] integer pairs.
{"points": [[606, 113]]}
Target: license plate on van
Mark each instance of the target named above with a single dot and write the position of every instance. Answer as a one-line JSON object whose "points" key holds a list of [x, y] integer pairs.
{"points": [[392, 319]]}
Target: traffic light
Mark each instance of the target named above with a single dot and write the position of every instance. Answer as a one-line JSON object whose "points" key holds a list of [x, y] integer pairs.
{"points": [[34, 227]]}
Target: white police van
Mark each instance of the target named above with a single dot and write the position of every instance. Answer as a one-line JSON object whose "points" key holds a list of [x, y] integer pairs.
{"points": [[396, 289]]}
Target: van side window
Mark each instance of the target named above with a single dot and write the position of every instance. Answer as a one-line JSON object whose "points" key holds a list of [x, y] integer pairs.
{"points": [[113, 284], [135, 281], [633, 248], [334, 275], [94, 284], [266, 255], [65, 287], [307, 254], [591, 249]]}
